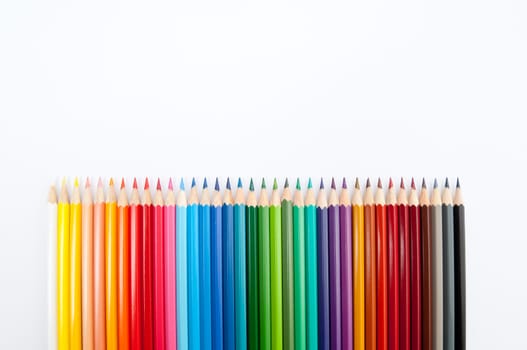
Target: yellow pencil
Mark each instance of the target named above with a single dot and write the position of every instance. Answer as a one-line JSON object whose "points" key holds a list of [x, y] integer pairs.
{"points": [[358, 269], [111, 269], [63, 269], [75, 267]]}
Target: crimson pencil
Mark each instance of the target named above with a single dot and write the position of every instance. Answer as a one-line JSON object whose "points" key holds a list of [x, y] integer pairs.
{"points": [[148, 312], [136, 285], [393, 268], [404, 268], [415, 268], [370, 268], [382, 268], [159, 269]]}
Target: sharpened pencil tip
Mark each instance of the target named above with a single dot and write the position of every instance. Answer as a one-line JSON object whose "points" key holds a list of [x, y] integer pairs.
{"points": [[435, 183], [298, 183], [217, 185], [239, 182], [147, 184], [135, 184], [413, 184], [182, 185], [401, 185], [170, 185], [368, 183], [76, 182], [158, 186], [447, 185], [344, 184], [193, 182], [423, 184], [251, 185], [309, 183], [333, 183], [275, 184], [122, 183], [99, 183], [286, 184], [111, 181], [457, 183], [205, 185], [379, 183], [390, 183], [87, 183], [263, 183], [357, 185], [228, 184], [321, 183], [63, 183]]}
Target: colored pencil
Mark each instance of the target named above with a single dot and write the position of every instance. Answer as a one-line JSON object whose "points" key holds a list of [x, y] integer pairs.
{"points": [[52, 268], [415, 268], [299, 262], [459, 273], [63, 272], [392, 230], [448, 269], [181, 269], [382, 268], [228, 269], [158, 246], [148, 270], [240, 282], [123, 271], [99, 268], [264, 273], [136, 285], [311, 269], [426, 256], [194, 337], [275, 245], [170, 268], [370, 268], [359, 341], [437, 267], [87, 269], [204, 268], [288, 304], [404, 269], [346, 266], [251, 212], [323, 269], [216, 268], [112, 342], [335, 292], [76, 269]]}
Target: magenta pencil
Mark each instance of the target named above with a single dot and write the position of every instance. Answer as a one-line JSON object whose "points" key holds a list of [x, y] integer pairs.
{"points": [[346, 268], [170, 268]]}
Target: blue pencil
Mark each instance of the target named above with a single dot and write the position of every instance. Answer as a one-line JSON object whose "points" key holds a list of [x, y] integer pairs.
{"points": [[323, 269], [239, 269], [228, 269], [181, 269], [193, 269], [204, 268], [216, 268]]}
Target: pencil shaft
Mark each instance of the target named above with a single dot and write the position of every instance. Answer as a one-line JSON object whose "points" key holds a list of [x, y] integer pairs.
{"points": [[264, 276], [299, 257], [275, 232], [99, 283], [240, 282], [426, 254], [181, 277], [459, 273], [52, 276], [216, 277], [382, 277], [159, 277], [323, 278], [415, 276], [287, 275], [205, 277], [448, 278], [194, 338], [370, 267], [170, 277], [147, 281], [252, 276], [228, 277], [136, 301], [358, 278], [311, 278], [335, 304], [123, 271], [346, 273], [404, 278], [87, 277], [437, 276], [111, 276], [76, 275], [393, 276], [63, 276]]}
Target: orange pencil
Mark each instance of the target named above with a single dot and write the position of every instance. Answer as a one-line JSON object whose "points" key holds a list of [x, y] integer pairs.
{"points": [[111, 269], [123, 257], [99, 283], [87, 269], [370, 269]]}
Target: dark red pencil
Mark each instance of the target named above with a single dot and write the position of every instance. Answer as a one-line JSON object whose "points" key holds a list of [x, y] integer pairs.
{"points": [[415, 268], [136, 285], [159, 269], [404, 268], [382, 268], [148, 317], [393, 268]]}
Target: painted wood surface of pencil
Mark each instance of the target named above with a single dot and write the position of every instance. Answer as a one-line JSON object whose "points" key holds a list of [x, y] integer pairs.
{"points": [[275, 233], [264, 273], [216, 268], [169, 230], [229, 329], [437, 266], [147, 269], [323, 269], [159, 268], [252, 269], [393, 267], [87, 269], [311, 269], [426, 256], [459, 273], [240, 281], [288, 295], [335, 292], [204, 268], [346, 266], [99, 279], [63, 270], [181, 269], [123, 268], [382, 268], [136, 285], [299, 262], [370, 268], [448, 269], [52, 269], [415, 268], [404, 269], [112, 341], [76, 261], [359, 342], [194, 338]]}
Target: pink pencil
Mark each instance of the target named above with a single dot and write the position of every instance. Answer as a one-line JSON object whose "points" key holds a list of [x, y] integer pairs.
{"points": [[170, 269], [87, 269]]}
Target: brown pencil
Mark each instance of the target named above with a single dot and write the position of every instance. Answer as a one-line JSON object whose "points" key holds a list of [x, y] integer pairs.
{"points": [[426, 255]]}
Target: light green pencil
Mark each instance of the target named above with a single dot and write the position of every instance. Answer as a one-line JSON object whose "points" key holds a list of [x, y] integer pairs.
{"points": [[276, 269]]}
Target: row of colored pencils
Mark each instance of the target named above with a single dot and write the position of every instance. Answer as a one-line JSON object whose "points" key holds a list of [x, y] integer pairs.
{"points": [[373, 270]]}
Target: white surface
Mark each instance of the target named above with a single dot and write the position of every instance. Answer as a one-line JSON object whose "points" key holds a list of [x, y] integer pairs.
{"points": [[269, 88]]}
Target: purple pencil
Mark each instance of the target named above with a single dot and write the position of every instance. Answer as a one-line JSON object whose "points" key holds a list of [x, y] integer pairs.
{"points": [[346, 268], [335, 325], [323, 269]]}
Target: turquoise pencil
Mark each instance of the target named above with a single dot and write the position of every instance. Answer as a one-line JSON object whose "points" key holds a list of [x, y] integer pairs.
{"points": [[193, 268], [311, 269], [181, 268], [239, 269]]}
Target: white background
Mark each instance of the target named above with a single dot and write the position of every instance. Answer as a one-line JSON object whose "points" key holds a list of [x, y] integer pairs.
{"points": [[274, 88]]}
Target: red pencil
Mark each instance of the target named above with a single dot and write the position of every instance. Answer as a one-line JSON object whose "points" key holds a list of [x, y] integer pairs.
{"points": [[404, 269], [382, 268], [393, 268], [159, 270], [148, 317], [136, 310], [415, 268], [123, 268]]}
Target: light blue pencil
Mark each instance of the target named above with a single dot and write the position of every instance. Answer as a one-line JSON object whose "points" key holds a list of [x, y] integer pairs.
{"points": [[193, 268], [181, 268], [204, 268], [239, 269]]}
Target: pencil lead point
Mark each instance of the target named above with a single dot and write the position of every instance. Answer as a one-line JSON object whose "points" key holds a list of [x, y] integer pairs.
{"points": [[457, 183], [87, 185], [217, 185], [402, 183], [193, 182], [275, 184], [99, 183], [286, 184], [423, 184], [263, 183], [147, 184], [344, 184], [413, 184], [228, 183], [158, 187], [435, 183], [239, 182], [390, 184], [205, 185], [298, 183], [333, 183], [251, 185], [182, 185], [368, 183], [135, 184], [111, 181], [170, 184], [357, 185], [309, 183], [379, 183], [446, 183], [122, 183], [321, 183], [76, 182]]}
